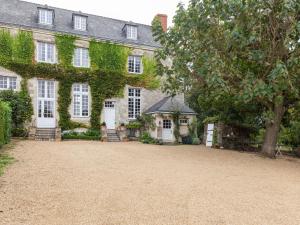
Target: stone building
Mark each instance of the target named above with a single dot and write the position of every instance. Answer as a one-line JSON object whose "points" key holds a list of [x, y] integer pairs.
{"points": [[45, 22]]}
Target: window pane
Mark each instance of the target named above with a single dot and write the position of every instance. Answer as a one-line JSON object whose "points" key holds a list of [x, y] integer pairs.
{"points": [[85, 88], [131, 64], [13, 83], [77, 105], [85, 105], [3, 82]]}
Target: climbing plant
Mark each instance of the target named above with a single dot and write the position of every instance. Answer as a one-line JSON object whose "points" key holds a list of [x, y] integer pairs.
{"points": [[107, 76], [65, 45], [23, 47], [6, 43]]}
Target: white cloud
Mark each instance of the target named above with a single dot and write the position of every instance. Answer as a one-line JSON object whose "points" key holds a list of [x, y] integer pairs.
{"points": [[140, 11]]}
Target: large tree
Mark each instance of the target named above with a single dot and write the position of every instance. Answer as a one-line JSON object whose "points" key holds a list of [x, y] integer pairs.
{"points": [[246, 50]]}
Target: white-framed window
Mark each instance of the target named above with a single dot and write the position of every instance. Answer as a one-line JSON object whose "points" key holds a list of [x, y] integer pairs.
{"points": [[184, 121], [134, 103], [167, 124], [46, 52], [80, 22], [81, 57], [135, 64], [8, 83], [81, 100], [46, 16], [131, 32]]}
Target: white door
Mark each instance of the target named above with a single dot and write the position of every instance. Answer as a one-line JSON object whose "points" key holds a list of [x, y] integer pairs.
{"points": [[110, 115], [210, 134], [167, 133], [46, 104]]}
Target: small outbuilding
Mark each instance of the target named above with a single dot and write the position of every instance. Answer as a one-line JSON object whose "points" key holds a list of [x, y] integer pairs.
{"points": [[164, 111]]}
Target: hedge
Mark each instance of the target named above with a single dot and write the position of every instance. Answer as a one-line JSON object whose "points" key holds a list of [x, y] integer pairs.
{"points": [[5, 123]]}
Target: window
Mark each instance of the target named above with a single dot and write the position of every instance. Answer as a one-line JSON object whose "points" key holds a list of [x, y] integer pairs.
{"points": [[45, 52], [135, 64], [109, 104], [8, 83], [80, 23], [184, 121], [81, 57], [134, 103], [167, 124], [81, 100], [46, 16], [131, 32]]}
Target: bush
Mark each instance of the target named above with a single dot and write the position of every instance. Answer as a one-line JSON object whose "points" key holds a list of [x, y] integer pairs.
{"points": [[147, 139], [21, 110], [196, 141], [90, 134], [5, 123]]}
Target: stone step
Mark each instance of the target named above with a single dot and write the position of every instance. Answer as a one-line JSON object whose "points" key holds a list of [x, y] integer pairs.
{"points": [[45, 134]]}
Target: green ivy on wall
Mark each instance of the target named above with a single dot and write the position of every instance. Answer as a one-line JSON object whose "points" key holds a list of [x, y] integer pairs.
{"points": [[6, 43], [107, 76], [23, 47], [66, 46]]}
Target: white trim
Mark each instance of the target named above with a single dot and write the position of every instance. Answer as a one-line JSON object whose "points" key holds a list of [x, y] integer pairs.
{"points": [[80, 93], [131, 32], [80, 49], [8, 82], [135, 57], [38, 43], [44, 18], [82, 23]]}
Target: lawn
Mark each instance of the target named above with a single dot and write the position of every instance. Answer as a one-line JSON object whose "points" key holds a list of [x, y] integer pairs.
{"points": [[5, 158], [81, 182]]}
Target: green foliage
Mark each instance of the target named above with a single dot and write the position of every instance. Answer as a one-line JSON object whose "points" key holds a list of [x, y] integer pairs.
{"points": [[6, 45], [5, 123], [4, 161], [134, 125], [21, 109], [23, 48], [65, 46], [107, 56], [146, 121], [88, 135], [147, 139], [176, 130], [237, 54]]}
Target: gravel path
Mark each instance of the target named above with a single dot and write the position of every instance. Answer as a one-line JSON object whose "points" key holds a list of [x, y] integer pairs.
{"points": [[91, 183]]}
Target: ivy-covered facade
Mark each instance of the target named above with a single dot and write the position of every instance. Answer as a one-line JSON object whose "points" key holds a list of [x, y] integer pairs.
{"points": [[78, 78]]}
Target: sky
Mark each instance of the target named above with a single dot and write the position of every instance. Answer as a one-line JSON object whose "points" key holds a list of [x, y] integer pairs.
{"points": [[139, 11]]}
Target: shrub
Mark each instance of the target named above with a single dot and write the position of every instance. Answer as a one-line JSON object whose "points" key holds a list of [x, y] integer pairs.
{"points": [[21, 110], [5, 123], [90, 134], [196, 141], [134, 125], [147, 139]]}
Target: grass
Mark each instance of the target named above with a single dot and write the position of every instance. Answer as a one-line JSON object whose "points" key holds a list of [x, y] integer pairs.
{"points": [[5, 158]]}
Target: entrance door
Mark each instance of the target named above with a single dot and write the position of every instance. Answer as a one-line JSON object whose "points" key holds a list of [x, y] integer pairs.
{"points": [[46, 104], [110, 115], [210, 134], [167, 133]]}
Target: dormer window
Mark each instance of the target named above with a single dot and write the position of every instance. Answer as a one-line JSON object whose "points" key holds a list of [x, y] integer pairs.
{"points": [[80, 22], [131, 32], [46, 16]]}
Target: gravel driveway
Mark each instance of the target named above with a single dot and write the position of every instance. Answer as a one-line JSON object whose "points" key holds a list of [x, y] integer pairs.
{"points": [[91, 183]]}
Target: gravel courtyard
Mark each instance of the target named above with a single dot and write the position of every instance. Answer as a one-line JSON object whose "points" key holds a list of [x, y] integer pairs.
{"points": [[91, 183]]}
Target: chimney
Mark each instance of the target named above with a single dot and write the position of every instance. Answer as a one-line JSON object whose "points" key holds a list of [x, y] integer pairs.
{"points": [[163, 18]]}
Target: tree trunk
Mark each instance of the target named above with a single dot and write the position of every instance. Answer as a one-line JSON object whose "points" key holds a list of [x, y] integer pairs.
{"points": [[272, 131]]}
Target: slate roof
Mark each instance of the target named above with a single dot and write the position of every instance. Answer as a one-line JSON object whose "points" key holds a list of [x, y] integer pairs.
{"points": [[25, 14], [168, 105]]}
